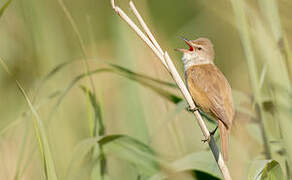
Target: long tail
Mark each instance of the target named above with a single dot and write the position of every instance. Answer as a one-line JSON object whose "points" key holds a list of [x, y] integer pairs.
{"points": [[224, 140]]}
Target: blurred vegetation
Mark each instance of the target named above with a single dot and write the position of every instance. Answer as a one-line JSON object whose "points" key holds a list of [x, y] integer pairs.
{"points": [[83, 98]]}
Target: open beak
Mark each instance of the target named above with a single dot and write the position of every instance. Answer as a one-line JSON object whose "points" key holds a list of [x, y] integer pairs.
{"points": [[185, 39], [188, 43]]}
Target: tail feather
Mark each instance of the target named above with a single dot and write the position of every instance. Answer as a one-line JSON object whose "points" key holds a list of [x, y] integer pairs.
{"points": [[224, 140]]}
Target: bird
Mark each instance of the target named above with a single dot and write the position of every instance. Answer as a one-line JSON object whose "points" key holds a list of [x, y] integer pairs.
{"points": [[208, 87]]}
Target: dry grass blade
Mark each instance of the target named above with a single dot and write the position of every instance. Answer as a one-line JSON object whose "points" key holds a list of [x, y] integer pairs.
{"points": [[138, 31], [145, 27], [166, 61]]}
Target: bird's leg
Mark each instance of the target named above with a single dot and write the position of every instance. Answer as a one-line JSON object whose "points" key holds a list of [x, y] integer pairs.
{"points": [[211, 134], [214, 131], [192, 109]]}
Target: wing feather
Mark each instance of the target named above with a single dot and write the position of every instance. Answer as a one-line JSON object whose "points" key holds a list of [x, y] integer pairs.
{"points": [[208, 83]]}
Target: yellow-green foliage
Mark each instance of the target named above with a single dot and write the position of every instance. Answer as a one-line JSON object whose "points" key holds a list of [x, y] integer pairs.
{"points": [[83, 98]]}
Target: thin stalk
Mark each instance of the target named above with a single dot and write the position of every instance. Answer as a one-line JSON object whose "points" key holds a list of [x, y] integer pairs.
{"points": [[168, 64], [243, 29], [269, 9], [80, 41], [281, 70], [100, 130], [267, 150], [149, 34]]}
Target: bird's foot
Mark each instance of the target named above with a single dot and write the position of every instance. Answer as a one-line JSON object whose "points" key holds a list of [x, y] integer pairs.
{"points": [[211, 134], [206, 140], [192, 109], [214, 131]]}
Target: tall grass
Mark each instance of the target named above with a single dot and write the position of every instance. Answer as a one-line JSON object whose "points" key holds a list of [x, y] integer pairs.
{"points": [[262, 32], [101, 108], [39, 130]]}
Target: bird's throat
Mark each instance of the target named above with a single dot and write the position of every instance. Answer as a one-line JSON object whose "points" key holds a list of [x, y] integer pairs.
{"points": [[189, 61]]}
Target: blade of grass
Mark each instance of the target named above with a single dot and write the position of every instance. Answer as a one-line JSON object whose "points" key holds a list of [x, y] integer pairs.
{"points": [[27, 113], [52, 73], [145, 80], [133, 151], [21, 153], [152, 83], [78, 78], [160, 91], [113, 68], [80, 41], [239, 9], [97, 131], [79, 153], [81, 44], [252, 26], [201, 161], [133, 75], [272, 42], [4, 7], [270, 11], [98, 124], [121, 146], [39, 130], [19, 172], [264, 170], [171, 115]]}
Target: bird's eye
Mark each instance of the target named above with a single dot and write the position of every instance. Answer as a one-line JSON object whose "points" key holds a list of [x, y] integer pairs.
{"points": [[199, 48]]}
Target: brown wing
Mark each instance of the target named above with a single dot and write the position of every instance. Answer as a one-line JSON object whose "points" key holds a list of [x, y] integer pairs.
{"points": [[211, 91]]}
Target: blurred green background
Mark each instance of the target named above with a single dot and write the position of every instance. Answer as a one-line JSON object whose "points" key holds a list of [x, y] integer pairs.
{"points": [[251, 41]]}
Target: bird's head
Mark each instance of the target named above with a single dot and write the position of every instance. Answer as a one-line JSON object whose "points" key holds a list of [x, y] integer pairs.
{"points": [[200, 52]]}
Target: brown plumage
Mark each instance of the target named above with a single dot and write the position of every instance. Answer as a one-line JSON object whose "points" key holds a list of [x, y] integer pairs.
{"points": [[212, 94], [209, 88]]}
